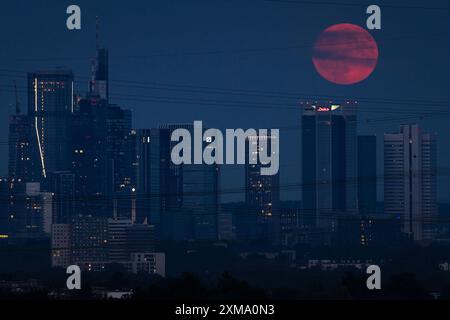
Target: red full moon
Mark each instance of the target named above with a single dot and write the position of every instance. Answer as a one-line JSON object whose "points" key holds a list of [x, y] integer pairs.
{"points": [[345, 54]]}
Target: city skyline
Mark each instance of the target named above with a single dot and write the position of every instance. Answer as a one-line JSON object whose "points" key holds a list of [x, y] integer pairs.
{"points": [[159, 62], [95, 142], [253, 150]]}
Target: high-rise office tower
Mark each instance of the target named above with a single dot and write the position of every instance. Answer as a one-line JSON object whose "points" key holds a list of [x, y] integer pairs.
{"points": [[148, 175], [367, 174], [262, 193], [88, 157], [171, 175], [329, 163], [96, 149], [143, 167], [20, 165], [62, 186], [119, 148], [93, 161], [138, 200], [101, 153], [200, 197], [188, 193], [50, 102], [143, 156], [410, 191], [121, 175], [99, 84]]}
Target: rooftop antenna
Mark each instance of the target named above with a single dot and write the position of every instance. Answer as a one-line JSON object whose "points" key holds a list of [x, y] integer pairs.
{"points": [[94, 64], [17, 98]]}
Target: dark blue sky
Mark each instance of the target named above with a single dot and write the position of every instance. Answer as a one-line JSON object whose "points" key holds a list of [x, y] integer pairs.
{"points": [[240, 45]]}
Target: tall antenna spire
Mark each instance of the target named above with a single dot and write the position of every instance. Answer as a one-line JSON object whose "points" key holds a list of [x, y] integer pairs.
{"points": [[99, 79]]}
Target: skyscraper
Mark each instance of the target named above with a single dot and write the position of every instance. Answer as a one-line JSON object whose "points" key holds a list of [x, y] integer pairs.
{"points": [[143, 142], [147, 165], [410, 191], [329, 163], [99, 84], [20, 165], [367, 174], [200, 197], [189, 193], [88, 157], [262, 193], [119, 148], [101, 156], [62, 186], [50, 102]]}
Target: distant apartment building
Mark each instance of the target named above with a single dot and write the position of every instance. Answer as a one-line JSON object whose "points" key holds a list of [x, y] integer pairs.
{"points": [[89, 242], [117, 238], [148, 262], [94, 242], [61, 243], [26, 211]]}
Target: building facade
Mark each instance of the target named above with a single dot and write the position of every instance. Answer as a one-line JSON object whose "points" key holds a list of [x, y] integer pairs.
{"points": [[20, 164], [410, 187], [367, 175], [50, 102], [189, 198], [262, 192], [329, 163]]}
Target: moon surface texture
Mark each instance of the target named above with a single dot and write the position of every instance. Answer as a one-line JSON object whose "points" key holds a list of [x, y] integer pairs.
{"points": [[345, 54]]}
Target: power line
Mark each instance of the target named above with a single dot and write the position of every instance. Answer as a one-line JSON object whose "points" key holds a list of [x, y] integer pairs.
{"points": [[290, 106], [258, 93], [352, 4], [441, 171], [177, 53]]}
